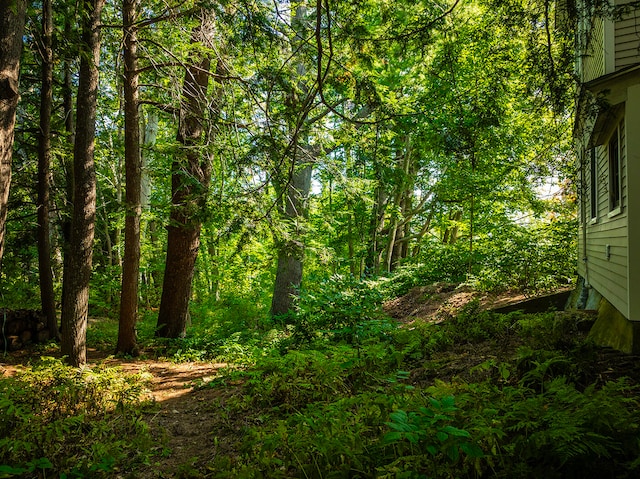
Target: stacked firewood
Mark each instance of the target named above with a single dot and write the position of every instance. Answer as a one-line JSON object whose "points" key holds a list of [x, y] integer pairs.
{"points": [[19, 327]]}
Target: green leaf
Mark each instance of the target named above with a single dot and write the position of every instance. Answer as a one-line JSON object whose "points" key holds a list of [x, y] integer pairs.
{"points": [[42, 463], [8, 471], [393, 437], [453, 453], [471, 450], [454, 431]]}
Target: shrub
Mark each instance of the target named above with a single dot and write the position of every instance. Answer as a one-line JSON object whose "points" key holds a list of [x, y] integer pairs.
{"points": [[574, 434], [340, 307]]}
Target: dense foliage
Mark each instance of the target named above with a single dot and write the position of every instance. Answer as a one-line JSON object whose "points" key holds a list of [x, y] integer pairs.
{"points": [[320, 158], [431, 131], [72, 423], [346, 393], [479, 395]]}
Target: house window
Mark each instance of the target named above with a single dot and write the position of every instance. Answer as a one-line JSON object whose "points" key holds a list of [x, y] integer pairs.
{"points": [[593, 184], [614, 172]]}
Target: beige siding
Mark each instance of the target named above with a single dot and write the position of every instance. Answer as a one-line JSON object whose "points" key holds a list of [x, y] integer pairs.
{"points": [[632, 156], [623, 161], [627, 38], [609, 275], [610, 242]]}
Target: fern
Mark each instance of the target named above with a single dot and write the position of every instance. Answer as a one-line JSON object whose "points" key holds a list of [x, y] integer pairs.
{"points": [[567, 428]]}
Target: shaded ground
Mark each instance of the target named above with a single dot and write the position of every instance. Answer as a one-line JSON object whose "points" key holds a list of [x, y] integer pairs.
{"points": [[441, 301], [186, 417], [193, 423]]}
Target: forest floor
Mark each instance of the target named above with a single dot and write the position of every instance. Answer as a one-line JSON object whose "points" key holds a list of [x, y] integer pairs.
{"points": [[186, 419], [190, 418], [191, 421]]}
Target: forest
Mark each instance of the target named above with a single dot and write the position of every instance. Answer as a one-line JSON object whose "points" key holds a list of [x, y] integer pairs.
{"points": [[214, 206]]}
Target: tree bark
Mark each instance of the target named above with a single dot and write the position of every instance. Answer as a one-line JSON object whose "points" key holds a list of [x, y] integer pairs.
{"points": [[148, 137], [190, 179], [12, 18], [398, 246], [131, 267], [291, 251], [376, 224], [67, 209], [75, 312], [426, 226], [44, 174], [152, 274], [451, 232], [294, 189]]}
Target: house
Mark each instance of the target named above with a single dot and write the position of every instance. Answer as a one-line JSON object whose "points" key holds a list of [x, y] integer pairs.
{"points": [[607, 139]]}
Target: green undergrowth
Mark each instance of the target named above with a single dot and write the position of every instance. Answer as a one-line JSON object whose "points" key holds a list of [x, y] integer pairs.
{"points": [[479, 395], [57, 421], [339, 390]]}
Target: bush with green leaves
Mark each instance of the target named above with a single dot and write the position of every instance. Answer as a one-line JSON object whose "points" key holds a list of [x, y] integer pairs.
{"points": [[231, 330], [332, 438], [362, 434], [346, 410], [427, 440], [341, 307], [437, 263], [291, 381], [72, 422], [527, 258], [473, 324]]}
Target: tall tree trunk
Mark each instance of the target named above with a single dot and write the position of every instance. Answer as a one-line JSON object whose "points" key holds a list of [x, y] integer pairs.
{"points": [[294, 188], [189, 184], [403, 199], [353, 261], [149, 134], [131, 267], [152, 275], [70, 128], [75, 312], [44, 174], [426, 226], [451, 232], [376, 224], [12, 17], [291, 251]]}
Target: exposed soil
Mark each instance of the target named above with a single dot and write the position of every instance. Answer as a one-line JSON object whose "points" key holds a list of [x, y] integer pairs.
{"points": [[440, 301], [186, 416]]}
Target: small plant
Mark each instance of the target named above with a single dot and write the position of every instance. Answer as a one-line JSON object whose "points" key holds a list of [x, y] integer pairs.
{"points": [[298, 378], [576, 434], [429, 429]]}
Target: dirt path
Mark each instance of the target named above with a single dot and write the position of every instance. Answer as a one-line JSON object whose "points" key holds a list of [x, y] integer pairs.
{"points": [[187, 419]]}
